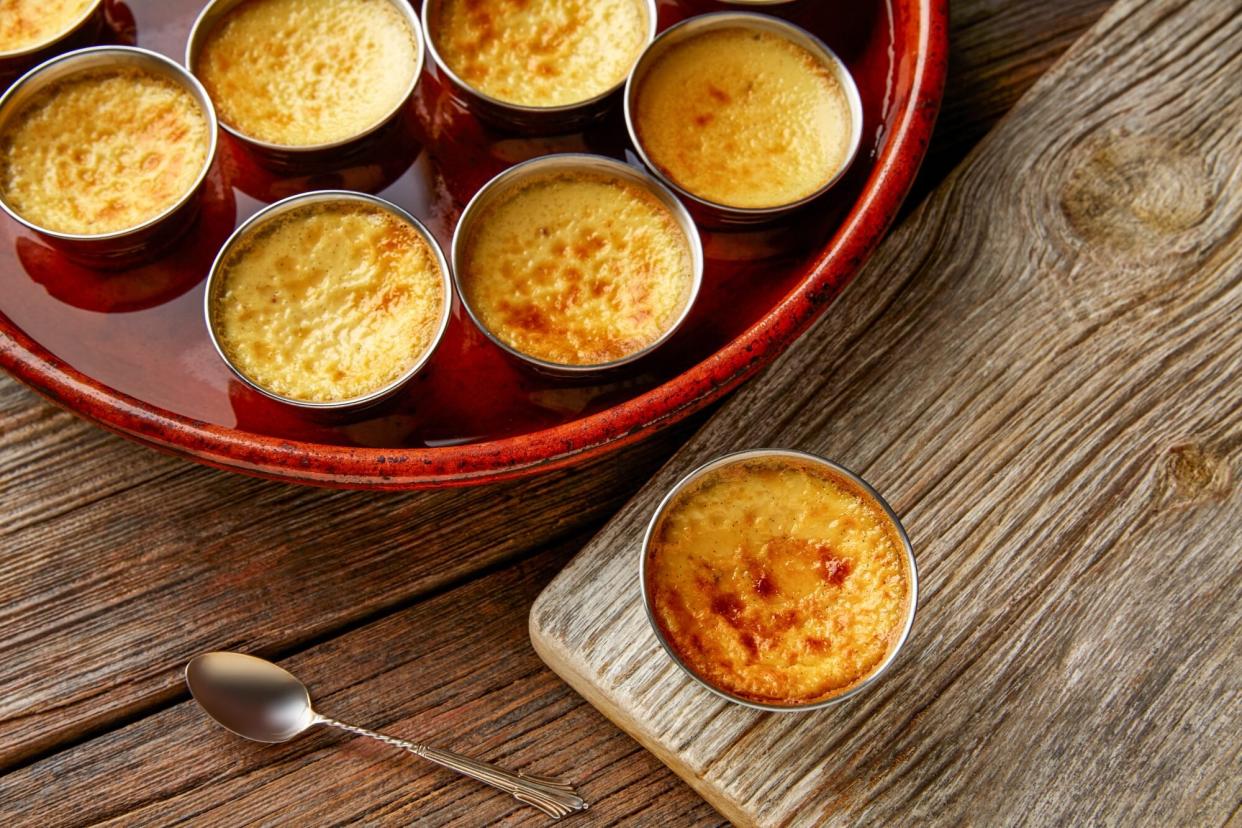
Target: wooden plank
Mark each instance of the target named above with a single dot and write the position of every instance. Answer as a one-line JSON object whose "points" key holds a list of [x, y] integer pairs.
{"points": [[120, 563], [997, 50], [415, 674], [1041, 369]]}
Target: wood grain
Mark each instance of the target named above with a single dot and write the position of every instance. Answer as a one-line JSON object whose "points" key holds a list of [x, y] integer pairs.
{"points": [[1041, 371], [412, 674], [119, 563], [998, 49], [122, 564]]}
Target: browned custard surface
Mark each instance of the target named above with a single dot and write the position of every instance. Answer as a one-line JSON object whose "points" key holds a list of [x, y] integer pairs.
{"points": [[778, 580], [103, 151], [744, 118], [307, 72], [543, 53], [330, 302], [29, 24], [578, 269]]}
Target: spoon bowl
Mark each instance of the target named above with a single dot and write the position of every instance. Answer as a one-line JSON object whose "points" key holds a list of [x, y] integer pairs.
{"points": [[249, 696]]}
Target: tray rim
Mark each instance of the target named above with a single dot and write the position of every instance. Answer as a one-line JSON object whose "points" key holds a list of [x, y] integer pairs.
{"points": [[349, 467]]}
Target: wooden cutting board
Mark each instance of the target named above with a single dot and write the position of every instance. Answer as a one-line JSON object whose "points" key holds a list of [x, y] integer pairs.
{"points": [[1042, 370]]}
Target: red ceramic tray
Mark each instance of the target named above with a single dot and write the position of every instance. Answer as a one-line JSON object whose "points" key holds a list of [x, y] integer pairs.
{"points": [[129, 350]]}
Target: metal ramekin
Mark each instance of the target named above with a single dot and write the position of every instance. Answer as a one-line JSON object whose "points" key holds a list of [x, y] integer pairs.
{"points": [[287, 158], [571, 163], [709, 211], [754, 454], [275, 211], [82, 32], [121, 247], [519, 117]]}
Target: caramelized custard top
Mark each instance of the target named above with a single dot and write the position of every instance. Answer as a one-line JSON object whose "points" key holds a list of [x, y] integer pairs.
{"points": [[577, 269], [28, 24], [541, 52], [744, 118], [308, 72], [103, 151], [328, 302], [778, 580]]}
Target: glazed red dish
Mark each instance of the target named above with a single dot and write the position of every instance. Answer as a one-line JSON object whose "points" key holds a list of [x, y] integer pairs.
{"points": [[129, 349]]}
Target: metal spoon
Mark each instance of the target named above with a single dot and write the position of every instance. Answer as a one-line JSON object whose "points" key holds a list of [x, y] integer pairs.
{"points": [[260, 701]]}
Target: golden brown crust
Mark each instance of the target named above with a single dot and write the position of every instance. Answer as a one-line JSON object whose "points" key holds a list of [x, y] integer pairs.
{"points": [[329, 302], [299, 73], [577, 269], [548, 53], [778, 581], [103, 151], [29, 24], [743, 118]]}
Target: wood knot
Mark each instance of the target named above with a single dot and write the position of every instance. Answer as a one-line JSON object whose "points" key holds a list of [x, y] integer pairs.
{"points": [[1194, 475], [1131, 193]]}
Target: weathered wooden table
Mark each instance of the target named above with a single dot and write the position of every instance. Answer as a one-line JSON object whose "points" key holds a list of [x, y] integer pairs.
{"points": [[409, 612]]}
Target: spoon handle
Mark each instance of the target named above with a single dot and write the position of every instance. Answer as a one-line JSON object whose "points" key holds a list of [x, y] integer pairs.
{"points": [[553, 797]]}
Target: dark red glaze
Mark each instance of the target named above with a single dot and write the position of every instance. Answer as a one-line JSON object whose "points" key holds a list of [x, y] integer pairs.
{"points": [[128, 349]]}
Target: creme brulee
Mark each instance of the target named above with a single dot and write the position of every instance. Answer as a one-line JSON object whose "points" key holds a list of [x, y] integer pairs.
{"points": [[300, 74], [545, 53], [328, 302], [29, 24], [744, 118], [778, 580], [577, 269], [103, 151]]}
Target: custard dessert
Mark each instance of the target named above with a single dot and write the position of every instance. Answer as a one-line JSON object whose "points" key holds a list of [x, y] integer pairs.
{"points": [[540, 53], [30, 24], [303, 73], [103, 151], [744, 118], [328, 302], [577, 269], [778, 580]]}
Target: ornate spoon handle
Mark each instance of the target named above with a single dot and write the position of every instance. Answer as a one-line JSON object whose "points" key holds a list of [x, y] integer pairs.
{"points": [[553, 797]]}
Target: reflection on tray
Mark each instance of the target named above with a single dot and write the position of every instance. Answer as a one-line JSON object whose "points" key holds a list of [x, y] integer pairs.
{"points": [[178, 270]]}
